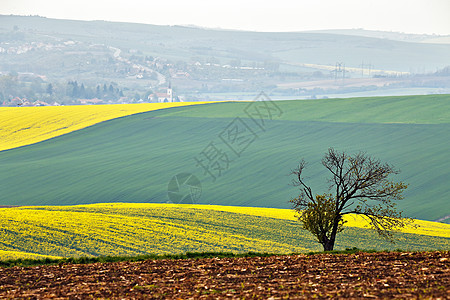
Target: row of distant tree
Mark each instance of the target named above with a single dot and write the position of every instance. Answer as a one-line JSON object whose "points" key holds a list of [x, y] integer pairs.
{"points": [[12, 87], [80, 91]]}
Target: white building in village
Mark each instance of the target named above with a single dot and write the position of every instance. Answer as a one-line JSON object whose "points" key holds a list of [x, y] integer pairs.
{"points": [[163, 97]]}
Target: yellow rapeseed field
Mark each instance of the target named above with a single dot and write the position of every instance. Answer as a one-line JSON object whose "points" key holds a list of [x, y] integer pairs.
{"points": [[422, 227], [12, 255], [20, 126], [122, 230], [132, 229]]}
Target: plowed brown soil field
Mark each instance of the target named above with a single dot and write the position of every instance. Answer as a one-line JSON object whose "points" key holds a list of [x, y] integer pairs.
{"points": [[362, 275]]}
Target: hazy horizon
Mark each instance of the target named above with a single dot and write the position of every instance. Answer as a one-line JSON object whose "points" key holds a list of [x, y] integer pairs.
{"points": [[412, 17]]}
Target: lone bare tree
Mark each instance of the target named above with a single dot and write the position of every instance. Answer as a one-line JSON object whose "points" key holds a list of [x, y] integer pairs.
{"points": [[359, 185]]}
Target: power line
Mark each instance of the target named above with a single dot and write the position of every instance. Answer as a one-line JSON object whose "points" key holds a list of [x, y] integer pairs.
{"points": [[339, 69]]}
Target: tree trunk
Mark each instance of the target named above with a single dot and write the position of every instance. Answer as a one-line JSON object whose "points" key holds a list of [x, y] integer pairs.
{"points": [[328, 244]]}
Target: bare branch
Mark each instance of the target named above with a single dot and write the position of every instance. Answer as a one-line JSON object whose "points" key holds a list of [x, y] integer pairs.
{"points": [[361, 187], [306, 194]]}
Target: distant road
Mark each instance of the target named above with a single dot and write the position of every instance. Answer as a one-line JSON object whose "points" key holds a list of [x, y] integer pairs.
{"points": [[161, 78]]}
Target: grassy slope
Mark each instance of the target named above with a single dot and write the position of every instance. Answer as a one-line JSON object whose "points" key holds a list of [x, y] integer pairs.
{"points": [[127, 229], [132, 159], [430, 109]]}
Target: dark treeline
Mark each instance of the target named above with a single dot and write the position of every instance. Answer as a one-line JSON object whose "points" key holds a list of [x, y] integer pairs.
{"points": [[80, 91], [15, 89]]}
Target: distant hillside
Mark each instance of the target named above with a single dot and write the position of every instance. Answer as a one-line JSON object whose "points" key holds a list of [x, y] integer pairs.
{"points": [[390, 35], [182, 43], [204, 64], [133, 159]]}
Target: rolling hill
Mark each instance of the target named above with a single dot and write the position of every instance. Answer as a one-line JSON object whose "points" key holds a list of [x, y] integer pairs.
{"points": [[133, 159], [134, 229], [183, 43], [21, 126]]}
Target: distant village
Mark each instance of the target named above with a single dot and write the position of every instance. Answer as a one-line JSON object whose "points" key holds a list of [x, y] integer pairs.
{"points": [[25, 102], [164, 95], [88, 73]]}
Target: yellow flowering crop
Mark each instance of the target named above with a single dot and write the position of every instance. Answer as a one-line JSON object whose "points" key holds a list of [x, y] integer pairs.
{"points": [[20, 126], [6, 255], [93, 230], [424, 227], [133, 229]]}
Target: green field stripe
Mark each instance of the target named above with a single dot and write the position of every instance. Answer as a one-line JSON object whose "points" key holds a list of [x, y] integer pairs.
{"points": [[427, 109], [132, 159]]}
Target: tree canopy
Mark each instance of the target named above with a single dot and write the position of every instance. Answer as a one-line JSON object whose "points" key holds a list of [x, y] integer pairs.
{"points": [[359, 184]]}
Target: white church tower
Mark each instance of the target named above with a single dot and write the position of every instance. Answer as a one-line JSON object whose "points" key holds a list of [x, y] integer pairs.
{"points": [[169, 93], [164, 97]]}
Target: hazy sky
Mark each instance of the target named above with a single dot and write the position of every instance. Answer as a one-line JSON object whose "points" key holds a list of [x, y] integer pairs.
{"points": [[410, 16]]}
